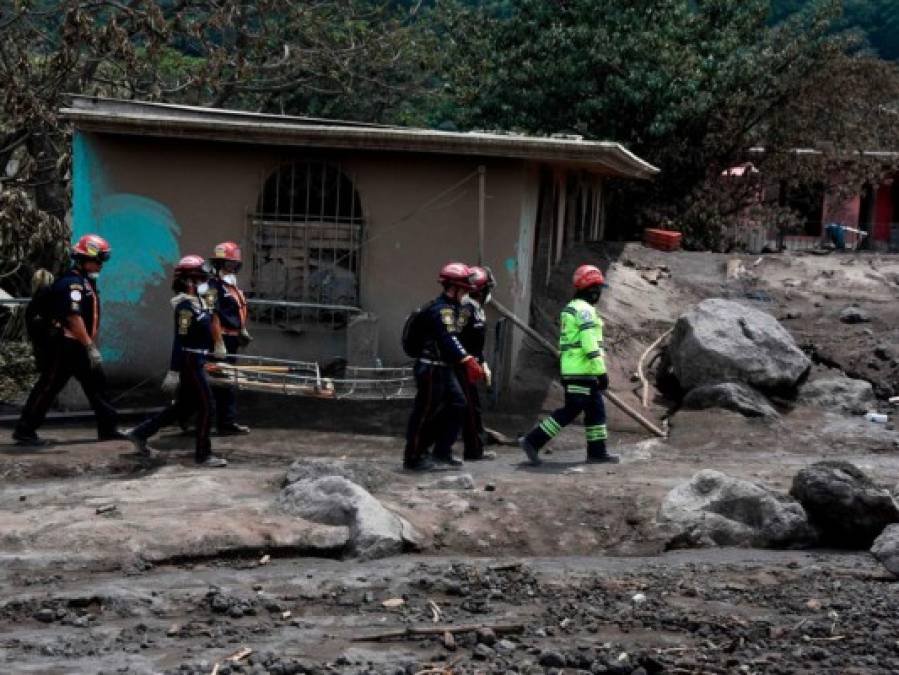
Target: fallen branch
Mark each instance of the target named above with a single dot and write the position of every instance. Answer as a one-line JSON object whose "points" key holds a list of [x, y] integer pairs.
{"points": [[424, 631], [446, 670], [835, 638], [645, 392]]}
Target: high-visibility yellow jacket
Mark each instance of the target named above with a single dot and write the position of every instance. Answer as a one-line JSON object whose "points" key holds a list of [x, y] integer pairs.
{"points": [[580, 341]]}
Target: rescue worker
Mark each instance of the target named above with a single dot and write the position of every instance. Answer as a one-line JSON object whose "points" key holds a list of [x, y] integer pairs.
{"points": [[230, 322], [584, 375], [473, 336], [192, 343], [440, 403], [69, 349]]}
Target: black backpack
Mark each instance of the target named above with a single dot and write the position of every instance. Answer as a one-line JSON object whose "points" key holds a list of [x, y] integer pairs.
{"points": [[414, 332], [39, 323]]}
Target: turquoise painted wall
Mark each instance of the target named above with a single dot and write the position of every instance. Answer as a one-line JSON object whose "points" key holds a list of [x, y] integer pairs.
{"points": [[144, 236]]}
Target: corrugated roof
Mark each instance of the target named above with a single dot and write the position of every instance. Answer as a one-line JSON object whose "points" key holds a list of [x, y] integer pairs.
{"points": [[216, 124]]}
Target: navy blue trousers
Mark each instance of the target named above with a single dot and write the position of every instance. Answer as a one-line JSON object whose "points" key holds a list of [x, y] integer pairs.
{"points": [[194, 395], [437, 412]]}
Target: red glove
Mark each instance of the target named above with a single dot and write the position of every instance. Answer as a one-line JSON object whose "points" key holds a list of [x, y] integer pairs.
{"points": [[473, 370]]}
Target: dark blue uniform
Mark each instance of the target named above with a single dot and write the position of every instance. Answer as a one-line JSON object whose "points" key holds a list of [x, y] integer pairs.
{"points": [[193, 339], [473, 335], [440, 402], [73, 294], [230, 306]]}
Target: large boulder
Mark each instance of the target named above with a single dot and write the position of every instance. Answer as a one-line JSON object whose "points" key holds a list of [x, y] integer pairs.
{"points": [[714, 509], [725, 341], [375, 532], [886, 549], [846, 506], [362, 472], [734, 396], [838, 393]]}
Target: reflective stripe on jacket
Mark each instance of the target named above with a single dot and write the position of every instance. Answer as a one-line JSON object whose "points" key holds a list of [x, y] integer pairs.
{"points": [[580, 340]]}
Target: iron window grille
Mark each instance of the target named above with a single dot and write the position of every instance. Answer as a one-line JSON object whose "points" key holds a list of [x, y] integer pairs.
{"points": [[306, 236]]}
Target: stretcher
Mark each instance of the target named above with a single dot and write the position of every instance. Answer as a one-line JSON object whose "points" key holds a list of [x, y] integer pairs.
{"points": [[306, 378]]}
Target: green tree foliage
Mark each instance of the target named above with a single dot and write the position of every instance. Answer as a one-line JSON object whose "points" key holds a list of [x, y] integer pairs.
{"points": [[337, 58], [692, 85], [877, 20]]}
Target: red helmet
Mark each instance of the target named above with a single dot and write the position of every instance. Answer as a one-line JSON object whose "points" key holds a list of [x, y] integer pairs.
{"points": [[227, 250], [482, 277], [191, 266], [93, 247], [586, 276], [457, 274]]}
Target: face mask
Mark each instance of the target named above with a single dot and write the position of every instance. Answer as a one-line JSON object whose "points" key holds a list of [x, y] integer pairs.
{"points": [[203, 289], [93, 275], [230, 279]]}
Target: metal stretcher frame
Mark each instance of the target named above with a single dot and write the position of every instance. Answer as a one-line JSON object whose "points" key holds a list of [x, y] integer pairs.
{"points": [[304, 378]]}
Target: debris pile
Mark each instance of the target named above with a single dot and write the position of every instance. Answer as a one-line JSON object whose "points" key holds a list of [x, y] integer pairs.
{"points": [[17, 372]]}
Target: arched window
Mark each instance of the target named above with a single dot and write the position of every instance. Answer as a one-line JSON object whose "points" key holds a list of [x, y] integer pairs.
{"points": [[307, 236]]}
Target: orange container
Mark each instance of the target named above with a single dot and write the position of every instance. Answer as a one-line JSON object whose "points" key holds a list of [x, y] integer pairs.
{"points": [[663, 240]]}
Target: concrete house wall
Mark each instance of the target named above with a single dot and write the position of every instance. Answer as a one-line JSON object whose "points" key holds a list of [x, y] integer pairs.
{"points": [[157, 199]]}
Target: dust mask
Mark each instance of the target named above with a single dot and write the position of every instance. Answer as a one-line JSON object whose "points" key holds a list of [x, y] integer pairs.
{"points": [[93, 275], [203, 289], [230, 279]]}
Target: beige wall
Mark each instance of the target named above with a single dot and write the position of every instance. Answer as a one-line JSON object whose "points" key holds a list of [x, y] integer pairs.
{"points": [[419, 214]]}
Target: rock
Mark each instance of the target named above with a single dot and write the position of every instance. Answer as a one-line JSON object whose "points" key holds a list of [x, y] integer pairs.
{"points": [[486, 636], [551, 659], [375, 532], [482, 652], [838, 393], [884, 352], [846, 506], [734, 396], [505, 646], [45, 615], [360, 472], [462, 481], [725, 341], [716, 509], [854, 314], [886, 549], [449, 641]]}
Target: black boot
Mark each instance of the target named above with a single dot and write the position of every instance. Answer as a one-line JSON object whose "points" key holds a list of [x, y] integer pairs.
{"points": [[418, 465], [29, 439], [232, 429], [139, 443], [447, 459], [597, 454], [115, 434], [530, 450]]}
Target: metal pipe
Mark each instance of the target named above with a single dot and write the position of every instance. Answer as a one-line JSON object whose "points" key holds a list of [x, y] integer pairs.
{"points": [[303, 305], [482, 210], [546, 344]]}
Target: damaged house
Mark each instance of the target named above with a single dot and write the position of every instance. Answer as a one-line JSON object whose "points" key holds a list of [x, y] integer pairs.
{"points": [[343, 225]]}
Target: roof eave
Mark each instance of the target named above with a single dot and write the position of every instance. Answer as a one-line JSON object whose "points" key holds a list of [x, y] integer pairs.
{"points": [[604, 157]]}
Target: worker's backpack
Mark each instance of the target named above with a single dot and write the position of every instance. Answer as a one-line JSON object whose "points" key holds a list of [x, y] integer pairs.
{"points": [[415, 332], [39, 314]]}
